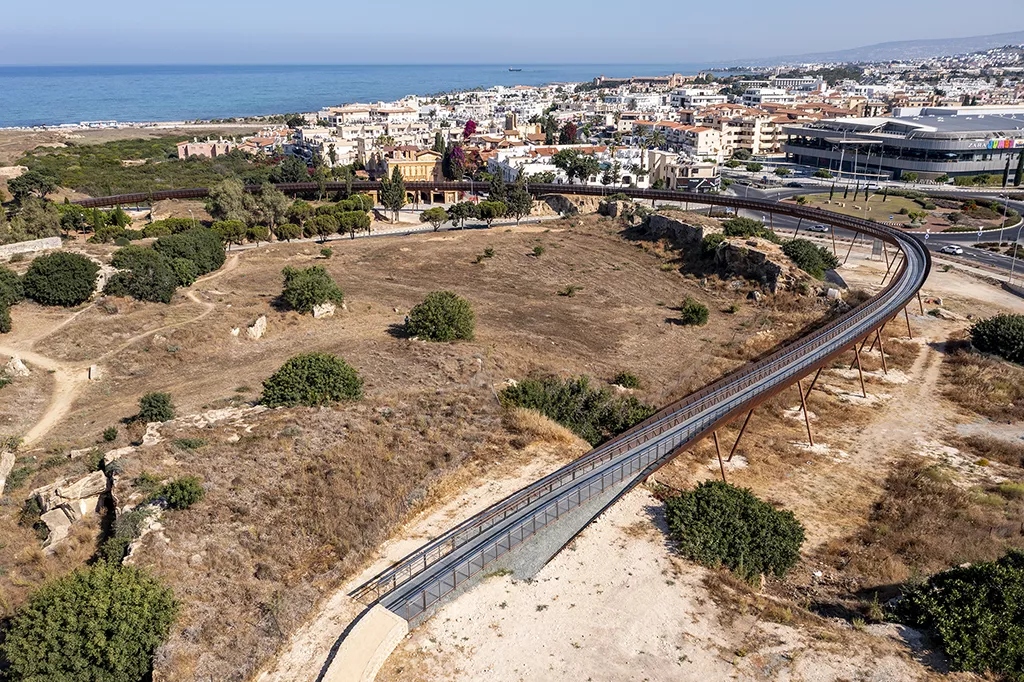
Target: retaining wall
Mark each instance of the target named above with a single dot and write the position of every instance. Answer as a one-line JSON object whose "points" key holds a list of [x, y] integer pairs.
{"points": [[8, 250]]}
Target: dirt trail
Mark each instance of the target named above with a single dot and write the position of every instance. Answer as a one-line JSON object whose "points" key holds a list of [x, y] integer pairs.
{"points": [[70, 377]]}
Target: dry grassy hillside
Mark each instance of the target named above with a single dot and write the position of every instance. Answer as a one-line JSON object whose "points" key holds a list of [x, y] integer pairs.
{"points": [[297, 498]]}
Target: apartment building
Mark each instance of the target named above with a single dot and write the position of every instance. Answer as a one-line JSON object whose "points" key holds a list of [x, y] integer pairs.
{"points": [[207, 148], [683, 172], [696, 98], [756, 96], [415, 164], [320, 143]]}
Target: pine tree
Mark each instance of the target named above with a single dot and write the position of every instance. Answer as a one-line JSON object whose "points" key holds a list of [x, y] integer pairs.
{"points": [[440, 146], [392, 192], [496, 190], [519, 200]]}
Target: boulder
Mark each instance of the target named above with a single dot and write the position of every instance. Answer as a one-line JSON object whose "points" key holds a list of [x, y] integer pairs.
{"points": [[753, 264], [59, 525], [612, 209], [324, 310], [834, 295], [662, 227], [94, 373], [236, 331], [949, 315], [16, 368], [65, 493], [257, 329], [755, 296], [6, 464]]}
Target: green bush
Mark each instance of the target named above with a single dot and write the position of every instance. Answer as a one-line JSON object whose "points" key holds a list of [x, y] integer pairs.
{"points": [[182, 493], [443, 316], [810, 257], [5, 323], [201, 246], [1002, 335], [312, 379], [185, 271], [326, 252], [155, 407], [975, 613], [127, 528], [99, 624], [693, 313], [145, 274], [11, 288], [595, 414], [306, 289], [110, 434], [709, 245], [64, 279], [748, 227], [718, 524], [626, 380]]}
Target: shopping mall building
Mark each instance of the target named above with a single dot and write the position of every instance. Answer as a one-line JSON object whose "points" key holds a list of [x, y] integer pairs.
{"points": [[930, 141]]}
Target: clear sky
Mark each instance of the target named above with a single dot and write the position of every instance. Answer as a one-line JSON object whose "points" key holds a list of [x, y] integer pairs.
{"points": [[457, 31]]}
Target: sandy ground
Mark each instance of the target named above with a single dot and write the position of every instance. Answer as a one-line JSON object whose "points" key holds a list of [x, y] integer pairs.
{"points": [[617, 606]]}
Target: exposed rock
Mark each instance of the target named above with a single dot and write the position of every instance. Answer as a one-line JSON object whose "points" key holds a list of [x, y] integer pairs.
{"points": [[755, 296], [59, 525], [114, 455], [236, 331], [324, 310], [612, 209], [834, 295], [64, 502], [94, 373], [152, 435], [690, 235], [16, 368], [6, 464], [949, 315], [755, 264], [258, 328]]}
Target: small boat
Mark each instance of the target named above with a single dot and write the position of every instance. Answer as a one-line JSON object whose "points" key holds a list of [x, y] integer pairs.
{"points": [[511, 69]]}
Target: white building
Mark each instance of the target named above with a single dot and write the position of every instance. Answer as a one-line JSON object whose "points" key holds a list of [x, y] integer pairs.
{"points": [[756, 96], [696, 98]]}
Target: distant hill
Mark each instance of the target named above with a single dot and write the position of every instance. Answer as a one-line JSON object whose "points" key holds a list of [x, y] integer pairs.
{"points": [[906, 49]]}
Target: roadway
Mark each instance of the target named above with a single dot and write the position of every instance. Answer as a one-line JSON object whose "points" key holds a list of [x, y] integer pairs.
{"points": [[786, 225]]}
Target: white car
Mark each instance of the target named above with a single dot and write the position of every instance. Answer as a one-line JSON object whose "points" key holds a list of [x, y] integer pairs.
{"points": [[952, 249], [818, 228]]}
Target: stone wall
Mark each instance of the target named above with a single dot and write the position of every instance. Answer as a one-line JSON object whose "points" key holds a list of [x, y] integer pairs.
{"points": [[46, 244]]}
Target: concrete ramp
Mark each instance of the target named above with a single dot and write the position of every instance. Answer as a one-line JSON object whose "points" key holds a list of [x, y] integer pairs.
{"points": [[367, 645]]}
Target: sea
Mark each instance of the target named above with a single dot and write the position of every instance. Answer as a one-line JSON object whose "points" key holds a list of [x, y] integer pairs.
{"points": [[53, 95]]}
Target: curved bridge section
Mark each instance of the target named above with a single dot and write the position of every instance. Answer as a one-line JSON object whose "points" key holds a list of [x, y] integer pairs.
{"points": [[571, 497]]}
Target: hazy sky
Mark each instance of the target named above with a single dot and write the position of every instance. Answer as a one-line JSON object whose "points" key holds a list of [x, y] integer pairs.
{"points": [[456, 31]]}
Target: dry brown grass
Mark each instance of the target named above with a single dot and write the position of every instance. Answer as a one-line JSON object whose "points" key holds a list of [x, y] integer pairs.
{"points": [[533, 427], [987, 386], [923, 524], [995, 449]]}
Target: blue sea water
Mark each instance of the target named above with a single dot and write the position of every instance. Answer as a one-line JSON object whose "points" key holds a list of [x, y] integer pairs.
{"points": [[43, 95]]}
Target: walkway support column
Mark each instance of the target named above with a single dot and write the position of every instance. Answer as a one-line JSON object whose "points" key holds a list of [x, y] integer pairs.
{"points": [[803, 406], [881, 350], [850, 250], [718, 451], [742, 429], [910, 332], [860, 371]]}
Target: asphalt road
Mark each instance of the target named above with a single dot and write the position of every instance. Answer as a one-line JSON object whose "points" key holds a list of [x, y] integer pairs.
{"points": [[787, 225]]}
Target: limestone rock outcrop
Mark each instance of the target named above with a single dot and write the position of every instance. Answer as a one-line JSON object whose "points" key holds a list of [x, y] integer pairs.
{"points": [[64, 502]]}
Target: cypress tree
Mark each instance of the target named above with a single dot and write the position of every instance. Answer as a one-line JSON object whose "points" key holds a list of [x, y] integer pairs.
{"points": [[1006, 173], [1019, 177]]}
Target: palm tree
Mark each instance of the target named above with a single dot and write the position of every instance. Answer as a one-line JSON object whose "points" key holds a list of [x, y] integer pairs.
{"points": [[657, 139], [644, 142]]}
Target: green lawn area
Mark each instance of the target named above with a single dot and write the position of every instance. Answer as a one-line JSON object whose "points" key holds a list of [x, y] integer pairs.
{"points": [[879, 210]]}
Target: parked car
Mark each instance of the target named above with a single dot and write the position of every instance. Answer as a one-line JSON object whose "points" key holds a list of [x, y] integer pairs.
{"points": [[818, 228], [952, 249], [796, 185]]}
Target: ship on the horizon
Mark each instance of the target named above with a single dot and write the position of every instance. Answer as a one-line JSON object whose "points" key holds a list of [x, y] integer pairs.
{"points": [[512, 68]]}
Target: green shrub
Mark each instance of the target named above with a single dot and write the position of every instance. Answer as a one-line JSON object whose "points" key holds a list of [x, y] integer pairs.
{"points": [[308, 288], [64, 279], [626, 380], [126, 529], [595, 414], [190, 443], [718, 524], [326, 252], [144, 274], [100, 623], [155, 407], [1002, 335], [810, 257], [693, 313], [975, 613], [110, 434], [709, 245], [443, 316], [182, 493], [201, 246], [748, 227], [312, 379], [185, 271], [11, 289], [538, 251], [5, 321]]}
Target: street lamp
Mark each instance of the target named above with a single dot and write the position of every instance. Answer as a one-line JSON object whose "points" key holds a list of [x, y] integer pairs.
{"points": [[1013, 263]]}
